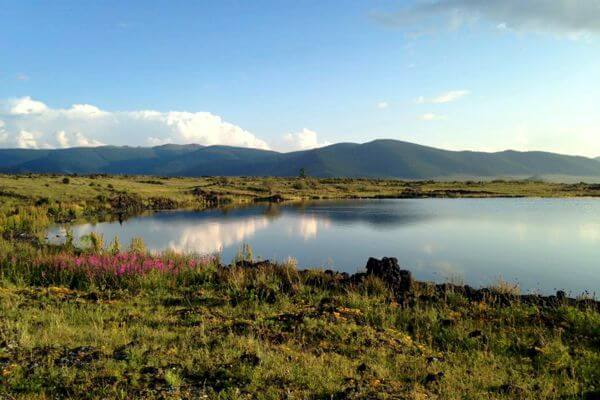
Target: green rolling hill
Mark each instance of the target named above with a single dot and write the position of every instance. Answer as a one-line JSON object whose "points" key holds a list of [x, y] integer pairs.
{"points": [[376, 159]]}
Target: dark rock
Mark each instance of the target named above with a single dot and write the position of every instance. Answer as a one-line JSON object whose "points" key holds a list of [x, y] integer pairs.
{"points": [[104, 380], [362, 368], [476, 333], [250, 358], [252, 264], [92, 296], [510, 389], [406, 280], [162, 203], [533, 352], [241, 327], [276, 198], [389, 271], [126, 203], [78, 357], [386, 267], [433, 378], [210, 199], [121, 353], [149, 371]]}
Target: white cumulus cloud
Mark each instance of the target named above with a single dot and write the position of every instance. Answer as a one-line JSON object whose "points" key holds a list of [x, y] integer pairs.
{"points": [[62, 139], [303, 140], [199, 127], [82, 141], [27, 140], [25, 106], [30, 123], [382, 104]]}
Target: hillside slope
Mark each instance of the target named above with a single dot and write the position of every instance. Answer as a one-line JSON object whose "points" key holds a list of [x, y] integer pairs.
{"points": [[379, 158]]}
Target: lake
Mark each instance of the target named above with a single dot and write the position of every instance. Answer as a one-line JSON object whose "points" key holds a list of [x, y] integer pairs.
{"points": [[541, 244]]}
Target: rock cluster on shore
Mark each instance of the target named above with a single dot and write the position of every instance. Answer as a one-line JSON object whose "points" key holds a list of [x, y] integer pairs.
{"points": [[408, 291]]}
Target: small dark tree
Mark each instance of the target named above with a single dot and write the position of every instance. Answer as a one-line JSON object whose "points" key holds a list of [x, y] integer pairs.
{"points": [[302, 173], [66, 181]]}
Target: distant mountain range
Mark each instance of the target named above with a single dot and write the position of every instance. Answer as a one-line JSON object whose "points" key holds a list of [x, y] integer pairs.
{"points": [[377, 159]]}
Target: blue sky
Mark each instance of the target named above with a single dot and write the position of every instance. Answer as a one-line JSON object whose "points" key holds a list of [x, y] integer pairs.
{"points": [[459, 74]]}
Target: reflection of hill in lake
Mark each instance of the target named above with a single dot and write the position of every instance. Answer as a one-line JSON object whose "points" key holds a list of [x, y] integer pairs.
{"points": [[372, 212]]}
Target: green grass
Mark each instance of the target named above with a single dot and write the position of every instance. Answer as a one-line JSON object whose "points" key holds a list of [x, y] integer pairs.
{"points": [[266, 332], [271, 332], [85, 190]]}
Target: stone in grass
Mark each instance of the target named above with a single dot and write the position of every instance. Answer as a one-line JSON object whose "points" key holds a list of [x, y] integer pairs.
{"points": [[362, 368], [389, 271], [510, 389], [433, 378], [250, 358], [148, 370], [78, 357], [475, 334], [121, 353]]}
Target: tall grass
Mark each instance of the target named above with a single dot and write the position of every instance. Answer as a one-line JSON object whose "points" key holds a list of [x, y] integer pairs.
{"points": [[95, 266], [23, 221]]}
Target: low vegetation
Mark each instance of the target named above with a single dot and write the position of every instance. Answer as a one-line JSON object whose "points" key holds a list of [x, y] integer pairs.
{"points": [[111, 320]]}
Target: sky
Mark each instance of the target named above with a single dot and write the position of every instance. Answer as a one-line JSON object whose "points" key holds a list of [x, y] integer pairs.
{"points": [[484, 75]]}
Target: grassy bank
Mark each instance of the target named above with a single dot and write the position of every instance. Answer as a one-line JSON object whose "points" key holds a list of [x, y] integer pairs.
{"points": [[117, 322], [127, 324], [93, 190]]}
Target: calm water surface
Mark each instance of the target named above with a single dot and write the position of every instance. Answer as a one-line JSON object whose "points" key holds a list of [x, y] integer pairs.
{"points": [[542, 244]]}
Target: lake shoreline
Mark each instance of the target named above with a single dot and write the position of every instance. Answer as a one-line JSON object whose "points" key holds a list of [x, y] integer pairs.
{"points": [[409, 291], [478, 241]]}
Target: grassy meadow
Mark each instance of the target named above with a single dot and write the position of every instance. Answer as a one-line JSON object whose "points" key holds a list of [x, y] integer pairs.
{"points": [[111, 320]]}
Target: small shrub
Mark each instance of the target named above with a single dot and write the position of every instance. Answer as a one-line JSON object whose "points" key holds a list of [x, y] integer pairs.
{"points": [[115, 246], [504, 287], [43, 201], [245, 253], [300, 185], [173, 379], [94, 242]]}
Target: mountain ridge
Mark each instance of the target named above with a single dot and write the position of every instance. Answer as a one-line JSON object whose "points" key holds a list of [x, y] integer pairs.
{"points": [[381, 158]]}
